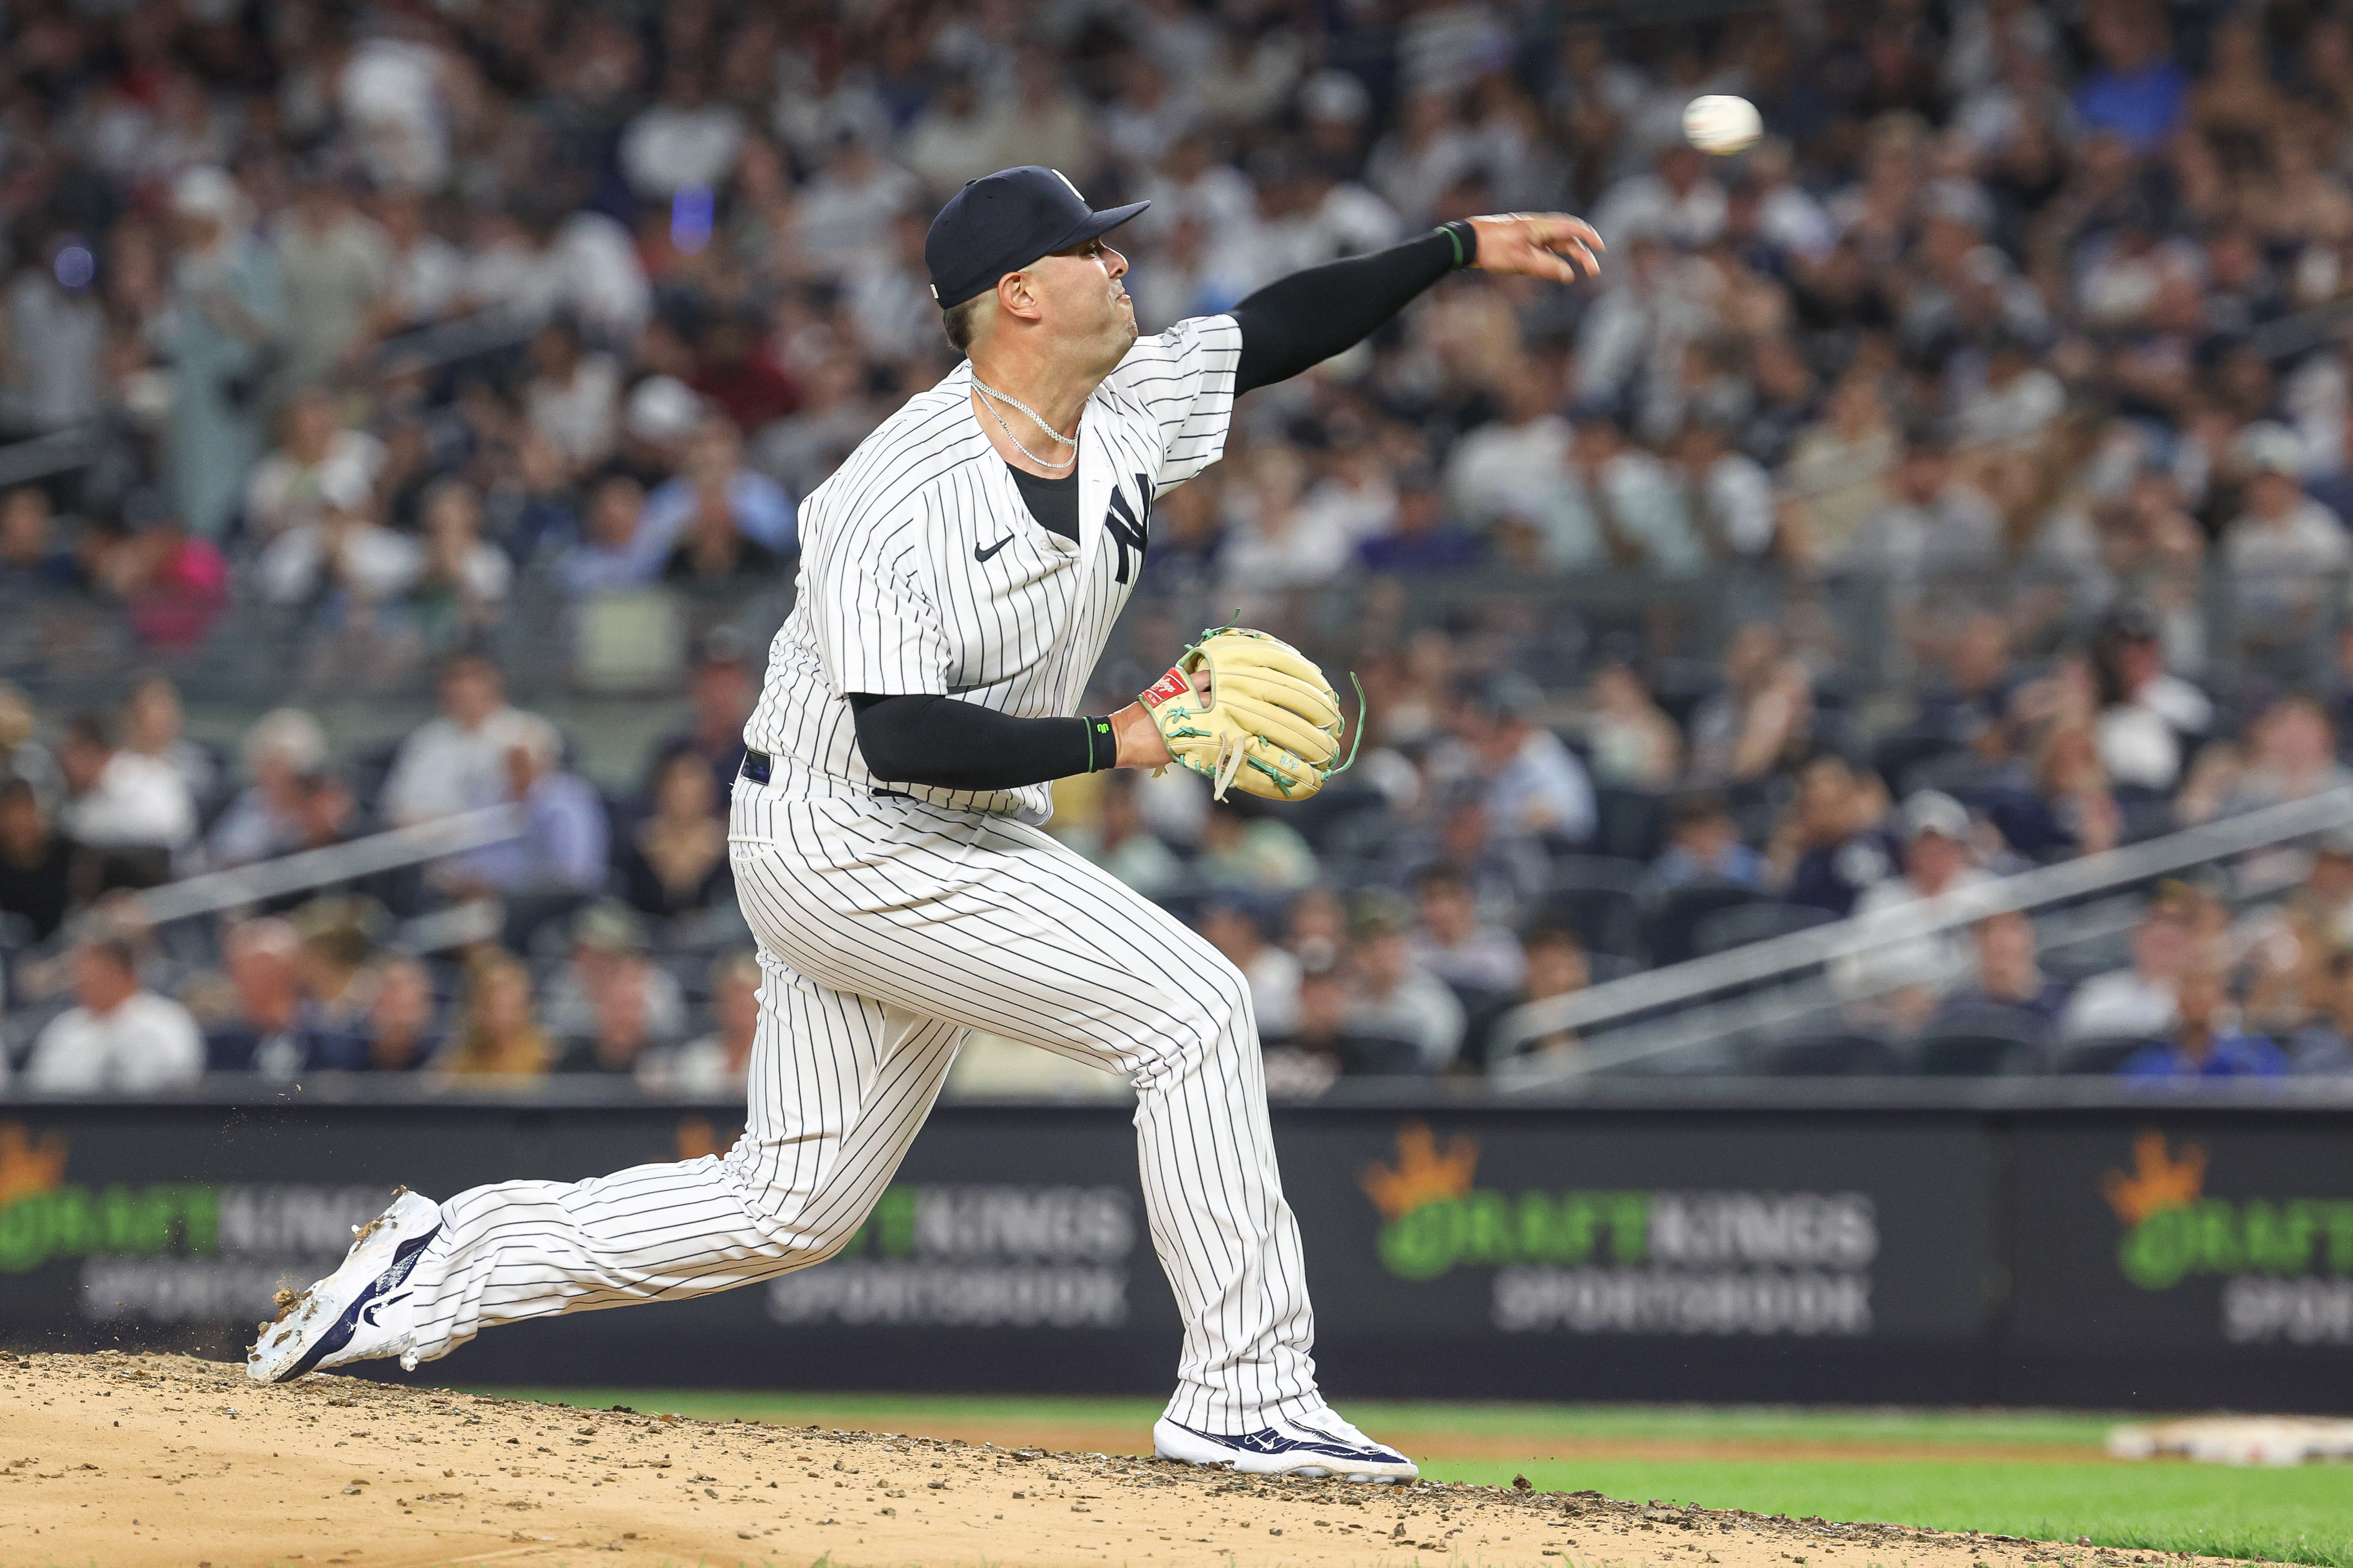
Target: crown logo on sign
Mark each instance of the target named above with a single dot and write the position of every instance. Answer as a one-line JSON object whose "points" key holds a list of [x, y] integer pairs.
{"points": [[1422, 1175], [26, 1168], [2159, 1181]]}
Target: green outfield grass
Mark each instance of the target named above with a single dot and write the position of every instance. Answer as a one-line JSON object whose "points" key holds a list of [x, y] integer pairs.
{"points": [[2031, 1473]]}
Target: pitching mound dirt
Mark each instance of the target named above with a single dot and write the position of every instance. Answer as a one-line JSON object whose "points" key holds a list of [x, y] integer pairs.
{"points": [[129, 1460]]}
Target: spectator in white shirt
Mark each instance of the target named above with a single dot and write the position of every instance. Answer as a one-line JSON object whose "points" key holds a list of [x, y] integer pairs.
{"points": [[573, 397], [457, 761], [2282, 550], [683, 139], [1680, 202], [1454, 944], [315, 454], [1395, 995], [119, 799], [2138, 1001], [1517, 465], [1896, 987], [123, 1038], [1235, 930], [715, 1065]]}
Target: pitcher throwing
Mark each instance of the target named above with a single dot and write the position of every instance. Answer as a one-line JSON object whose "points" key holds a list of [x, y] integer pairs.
{"points": [[959, 576]]}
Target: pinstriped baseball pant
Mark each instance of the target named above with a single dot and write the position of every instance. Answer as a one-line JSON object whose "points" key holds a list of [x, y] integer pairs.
{"points": [[889, 931]]}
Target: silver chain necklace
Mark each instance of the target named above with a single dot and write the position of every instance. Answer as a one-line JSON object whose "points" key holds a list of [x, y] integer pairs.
{"points": [[982, 386]]}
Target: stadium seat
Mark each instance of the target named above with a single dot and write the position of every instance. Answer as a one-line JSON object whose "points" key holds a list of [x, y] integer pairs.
{"points": [[2100, 1056], [1598, 898], [1739, 926], [1631, 823], [1672, 930], [1826, 1055], [1983, 1042]]}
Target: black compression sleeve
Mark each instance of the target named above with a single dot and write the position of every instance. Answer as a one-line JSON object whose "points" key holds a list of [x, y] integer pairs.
{"points": [[940, 741], [1304, 320]]}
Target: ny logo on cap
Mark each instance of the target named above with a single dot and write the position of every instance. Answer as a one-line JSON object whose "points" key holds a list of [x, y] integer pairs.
{"points": [[1066, 181]]}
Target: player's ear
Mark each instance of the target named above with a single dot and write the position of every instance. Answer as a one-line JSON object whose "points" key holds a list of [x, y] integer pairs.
{"points": [[1017, 294]]}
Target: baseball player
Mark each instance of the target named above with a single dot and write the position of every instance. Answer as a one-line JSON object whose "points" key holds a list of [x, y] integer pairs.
{"points": [[959, 575]]}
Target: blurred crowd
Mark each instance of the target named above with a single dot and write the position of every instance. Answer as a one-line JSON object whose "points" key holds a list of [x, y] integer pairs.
{"points": [[1957, 481]]}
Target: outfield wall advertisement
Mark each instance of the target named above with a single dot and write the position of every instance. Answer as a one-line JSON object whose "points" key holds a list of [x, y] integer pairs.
{"points": [[2094, 1257]]}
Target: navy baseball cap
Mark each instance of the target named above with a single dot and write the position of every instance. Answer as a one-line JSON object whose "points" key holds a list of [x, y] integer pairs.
{"points": [[1003, 222]]}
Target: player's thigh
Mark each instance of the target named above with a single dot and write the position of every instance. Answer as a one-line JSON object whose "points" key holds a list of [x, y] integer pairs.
{"points": [[986, 924]]}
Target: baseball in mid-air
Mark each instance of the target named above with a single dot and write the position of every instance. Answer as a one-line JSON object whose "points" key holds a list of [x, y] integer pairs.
{"points": [[1722, 124]]}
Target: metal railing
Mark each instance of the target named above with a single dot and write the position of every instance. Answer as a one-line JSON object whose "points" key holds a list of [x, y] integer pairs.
{"points": [[1787, 958]]}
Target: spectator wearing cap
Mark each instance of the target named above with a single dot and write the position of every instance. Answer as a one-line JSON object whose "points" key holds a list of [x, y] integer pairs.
{"points": [[1424, 538], [317, 454], [1835, 842], [1236, 928], [1703, 845], [1394, 995], [1332, 1038], [660, 416], [1898, 984], [457, 761], [120, 1037], [53, 328], [2285, 548], [716, 1065], [608, 947], [1531, 784], [225, 333], [713, 479], [2136, 92], [2205, 1041], [280, 749], [1454, 944], [36, 861], [2141, 999]]}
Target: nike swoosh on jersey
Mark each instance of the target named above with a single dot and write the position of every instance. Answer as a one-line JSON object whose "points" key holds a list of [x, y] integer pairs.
{"points": [[980, 554]]}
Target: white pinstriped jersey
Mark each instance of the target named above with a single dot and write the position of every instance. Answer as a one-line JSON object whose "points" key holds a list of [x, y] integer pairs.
{"points": [[922, 572]]}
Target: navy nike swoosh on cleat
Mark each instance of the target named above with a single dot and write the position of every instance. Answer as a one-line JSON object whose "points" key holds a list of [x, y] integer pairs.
{"points": [[1267, 1440], [404, 1259], [980, 554]]}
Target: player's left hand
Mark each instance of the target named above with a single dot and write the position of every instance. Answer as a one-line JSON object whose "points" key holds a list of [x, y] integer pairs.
{"points": [[1550, 245]]}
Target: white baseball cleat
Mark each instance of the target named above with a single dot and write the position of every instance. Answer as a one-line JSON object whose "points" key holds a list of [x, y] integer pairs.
{"points": [[357, 1313], [1313, 1446]]}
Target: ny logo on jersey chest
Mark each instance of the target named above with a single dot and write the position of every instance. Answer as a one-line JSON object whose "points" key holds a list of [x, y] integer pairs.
{"points": [[1129, 527]]}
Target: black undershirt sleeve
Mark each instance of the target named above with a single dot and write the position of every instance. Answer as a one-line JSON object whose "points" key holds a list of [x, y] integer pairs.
{"points": [[1304, 320], [937, 740]]}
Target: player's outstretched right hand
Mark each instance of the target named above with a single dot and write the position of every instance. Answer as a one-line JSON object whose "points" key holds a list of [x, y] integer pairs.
{"points": [[1244, 709]]}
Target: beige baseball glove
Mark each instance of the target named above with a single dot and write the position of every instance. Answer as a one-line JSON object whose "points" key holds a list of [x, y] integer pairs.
{"points": [[1244, 709]]}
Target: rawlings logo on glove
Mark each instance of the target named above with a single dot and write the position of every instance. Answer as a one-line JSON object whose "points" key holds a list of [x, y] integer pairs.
{"points": [[1242, 707]]}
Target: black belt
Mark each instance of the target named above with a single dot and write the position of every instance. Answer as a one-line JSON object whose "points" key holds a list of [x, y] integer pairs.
{"points": [[760, 767]]}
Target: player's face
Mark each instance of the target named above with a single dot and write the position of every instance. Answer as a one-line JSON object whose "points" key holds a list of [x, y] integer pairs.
{"points": [[1088, 298]]}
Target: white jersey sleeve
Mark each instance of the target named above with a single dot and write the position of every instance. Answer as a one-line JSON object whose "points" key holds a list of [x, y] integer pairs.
{"points": [[877, 629], [1184, 380]]}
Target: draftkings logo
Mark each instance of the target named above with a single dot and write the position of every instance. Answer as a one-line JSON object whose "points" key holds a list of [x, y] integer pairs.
{"points": [[43, 1215], [1621, 1261], [2284, 1262]]}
